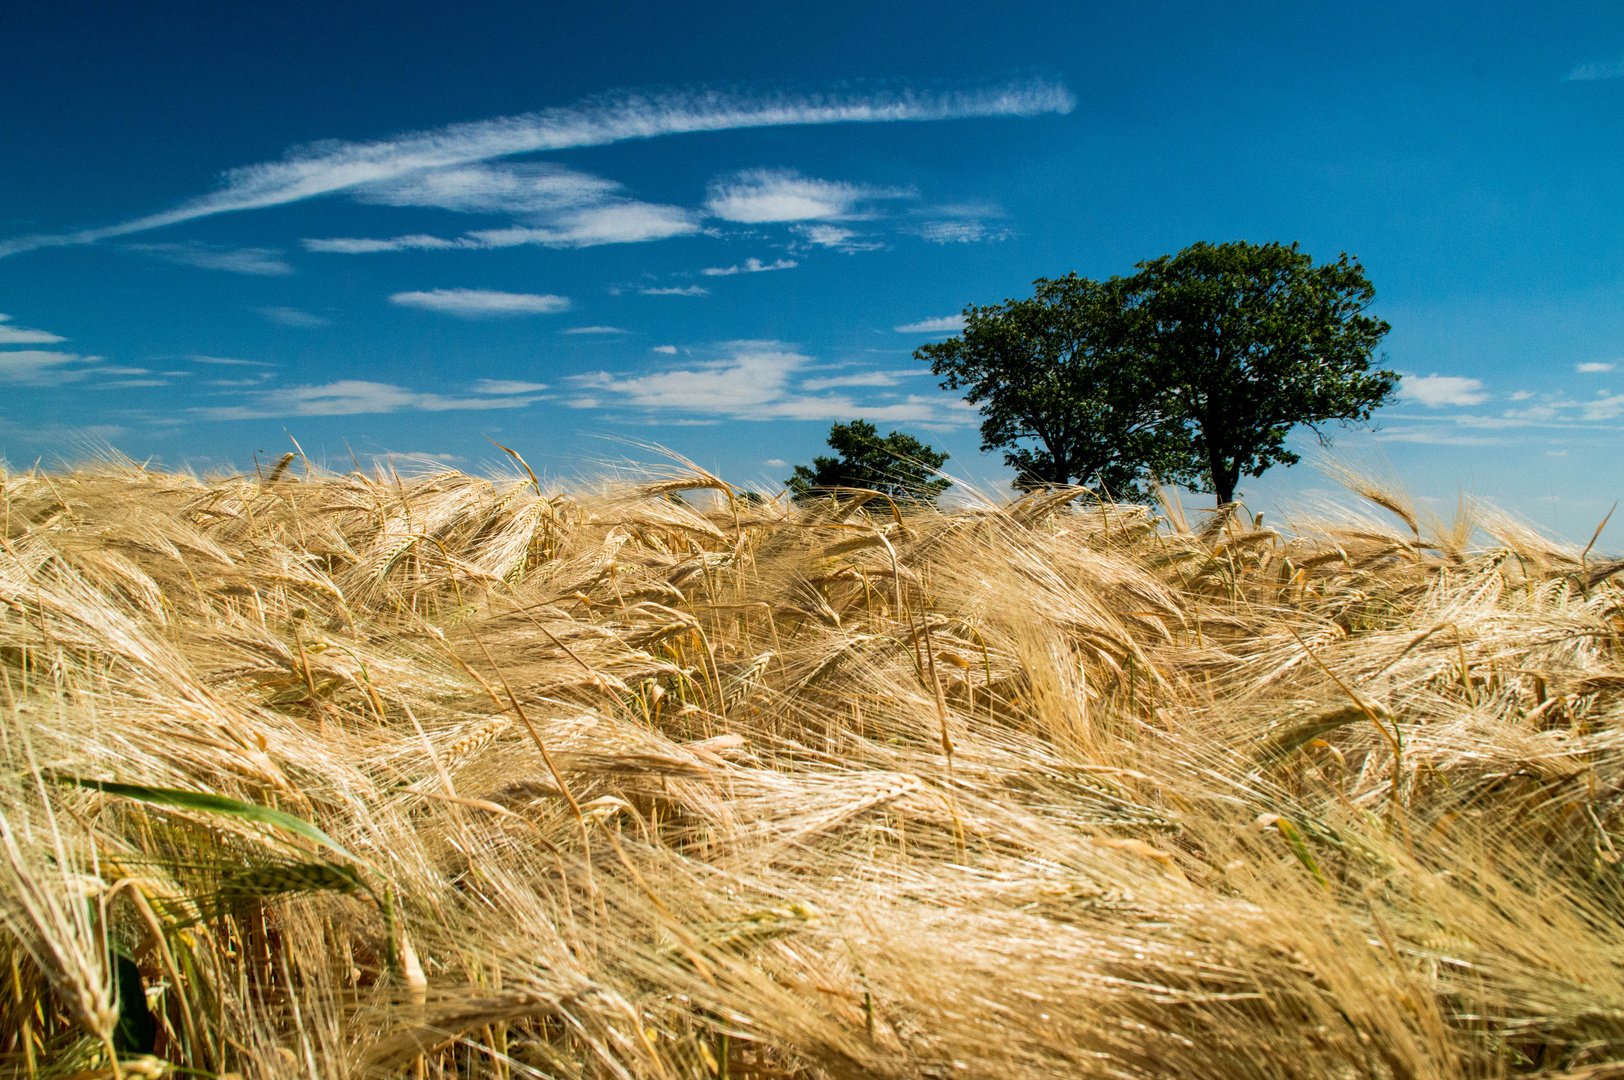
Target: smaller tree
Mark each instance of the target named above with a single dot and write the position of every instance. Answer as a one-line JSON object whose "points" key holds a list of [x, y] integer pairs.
{"points": [[899, 465]]}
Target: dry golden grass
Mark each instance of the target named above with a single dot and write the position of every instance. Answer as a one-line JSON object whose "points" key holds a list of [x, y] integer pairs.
{"points": [[612, 785]]}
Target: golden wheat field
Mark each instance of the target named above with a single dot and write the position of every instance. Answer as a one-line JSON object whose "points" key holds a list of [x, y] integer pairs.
{"points": [[318, 775]]}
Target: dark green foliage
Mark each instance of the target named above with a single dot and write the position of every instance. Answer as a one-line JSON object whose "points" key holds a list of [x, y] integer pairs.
{"points": [[137, 1029], [898, 465], [1065, 370], [1248, 341], [1193, 371]]}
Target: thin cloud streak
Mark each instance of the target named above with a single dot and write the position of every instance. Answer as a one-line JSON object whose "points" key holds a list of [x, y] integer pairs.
{"points": [[287, 316], [326, 168], [1597, 69], [16, 335], [675, 290], [482, 303], [38, 367], [945, 324], [758, 196], [349, 397], [624, 221], [753, 380], [751, 266], [262, 262]]}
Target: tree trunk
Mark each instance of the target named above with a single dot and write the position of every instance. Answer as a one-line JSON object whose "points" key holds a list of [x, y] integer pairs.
{"points": [[1224, 475]]}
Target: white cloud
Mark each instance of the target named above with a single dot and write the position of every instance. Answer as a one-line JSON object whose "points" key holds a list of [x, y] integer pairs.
{"points": [[837, 237], [756, 196], [1431, 436], [1436, 391], [364, 246], [507, 386], [224, 360], [755, 374], [866, 378], [12, 335], [38, 367], [958, 232], [776, 463], [1606, 406], [287, 316], [962, 223], [669, 350], [621, 222], [751, 380], [62, 434], [943, 324], [594, 330], [751, 266], [1522, 395], [676, 290], [349, 397], [1597, 69], [1592, 367], [531, 188], [329, 167], [264, 262], [482, 303]]}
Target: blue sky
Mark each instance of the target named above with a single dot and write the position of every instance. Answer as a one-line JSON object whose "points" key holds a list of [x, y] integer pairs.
{"points": [[720, 227]]}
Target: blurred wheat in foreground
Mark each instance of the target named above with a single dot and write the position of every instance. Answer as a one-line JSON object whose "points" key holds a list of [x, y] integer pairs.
{"points": [[328, 776]]}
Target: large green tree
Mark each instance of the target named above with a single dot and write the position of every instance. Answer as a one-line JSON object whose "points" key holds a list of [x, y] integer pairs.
{"points": [[899, 465], [1247, 341], [1194, 370], [1064, 387]]}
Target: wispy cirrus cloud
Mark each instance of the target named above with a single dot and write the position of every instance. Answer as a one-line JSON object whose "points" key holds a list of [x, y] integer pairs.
{"points": [[961, 223], [838, 237], [594, 330], [674, 290], [755, 380], [758, 196], [226, 361], [482, 303], [862, 378], [330, 167], [1597, 69], [16, 335], [529, 188], [507, 386], [40, 367], [750, 266], [1432, 436], [1436, 391], [582, 215], [264, 262], [942, 324], [288, 316], [349, 397], [1605, 406]]}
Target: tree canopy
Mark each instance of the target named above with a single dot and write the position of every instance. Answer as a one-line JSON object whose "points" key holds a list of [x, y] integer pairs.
{"points": [[1065, 370], [1193, 370], [898, 465], [1248, 341]]}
